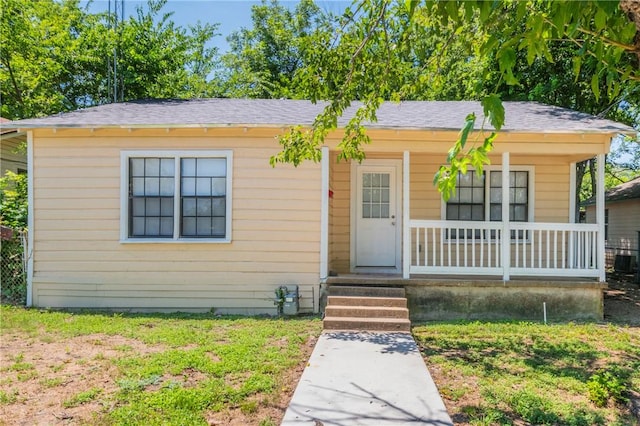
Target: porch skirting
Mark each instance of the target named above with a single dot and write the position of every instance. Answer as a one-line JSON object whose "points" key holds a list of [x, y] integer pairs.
{"points": [[449, 299]]}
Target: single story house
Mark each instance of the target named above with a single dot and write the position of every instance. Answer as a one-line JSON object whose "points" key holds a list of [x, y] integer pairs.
{"points": [[621, 223], [13, 156], [172, 205]]}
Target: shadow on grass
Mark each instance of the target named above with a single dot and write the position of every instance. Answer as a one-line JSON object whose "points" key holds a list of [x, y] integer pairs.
{"points": [[485, 414], [532, 358]]}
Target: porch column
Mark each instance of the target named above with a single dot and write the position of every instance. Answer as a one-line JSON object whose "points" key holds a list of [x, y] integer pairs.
{"points": [[573, 205], [506, 228], [406, 217], [30, 218], [324, 216], [600, 215]]}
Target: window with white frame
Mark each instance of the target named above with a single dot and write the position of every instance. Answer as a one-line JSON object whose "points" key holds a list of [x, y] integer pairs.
{"points": [[177, 195], [479, 196]]}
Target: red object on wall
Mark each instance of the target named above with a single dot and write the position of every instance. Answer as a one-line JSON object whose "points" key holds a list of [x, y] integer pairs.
{"points": [[330, 194]]}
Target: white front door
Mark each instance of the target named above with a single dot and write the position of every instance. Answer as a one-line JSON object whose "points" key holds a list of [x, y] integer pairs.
{"points": [[377, 214]]}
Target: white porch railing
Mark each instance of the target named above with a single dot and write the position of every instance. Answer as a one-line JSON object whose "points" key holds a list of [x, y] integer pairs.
{"points": [[476, 248]]}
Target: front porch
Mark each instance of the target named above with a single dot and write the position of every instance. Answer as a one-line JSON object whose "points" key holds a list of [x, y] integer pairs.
{"points": [[385, 224], [545, 246]]}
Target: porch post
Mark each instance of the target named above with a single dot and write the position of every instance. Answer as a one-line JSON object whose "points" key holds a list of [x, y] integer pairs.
{"points": [[406, 217], [506, 228], [324, 215], [600, 215], [572, 211], [30, 218]]}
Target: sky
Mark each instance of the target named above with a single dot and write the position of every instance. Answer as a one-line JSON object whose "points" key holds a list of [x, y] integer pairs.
{"points": [[231, 15]]}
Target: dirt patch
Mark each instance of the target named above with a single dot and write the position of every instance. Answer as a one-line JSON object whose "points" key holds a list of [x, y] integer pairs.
{"points": [[622, 300], [41, 379]]}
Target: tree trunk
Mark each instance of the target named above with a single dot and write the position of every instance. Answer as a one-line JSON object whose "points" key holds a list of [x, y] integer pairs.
{"points": [[632, 9]]}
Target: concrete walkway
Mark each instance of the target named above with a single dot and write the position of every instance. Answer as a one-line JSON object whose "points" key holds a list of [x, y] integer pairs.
{"points": [[362, 378]]}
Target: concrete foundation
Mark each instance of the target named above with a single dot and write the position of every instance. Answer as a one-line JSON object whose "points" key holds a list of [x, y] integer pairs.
{"points": [[471, 299]]}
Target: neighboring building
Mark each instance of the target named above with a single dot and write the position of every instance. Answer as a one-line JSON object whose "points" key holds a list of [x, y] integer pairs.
{"points": [[172, 205], [13, 154], [622, 223]]}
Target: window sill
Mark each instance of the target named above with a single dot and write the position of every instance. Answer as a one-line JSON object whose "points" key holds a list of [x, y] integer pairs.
{"points": [[175, 241]]}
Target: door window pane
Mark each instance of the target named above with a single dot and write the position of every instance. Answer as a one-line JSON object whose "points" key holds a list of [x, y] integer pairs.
{"points": [[375, 195]]}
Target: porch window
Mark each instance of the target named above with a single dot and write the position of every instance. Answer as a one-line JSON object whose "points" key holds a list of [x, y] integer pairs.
{"points": [[518, 196], [479, 196], [177, 196], [469, 202]]}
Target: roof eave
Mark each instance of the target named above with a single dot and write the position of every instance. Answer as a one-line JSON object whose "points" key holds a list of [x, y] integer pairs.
{"points": [[24, 128]]}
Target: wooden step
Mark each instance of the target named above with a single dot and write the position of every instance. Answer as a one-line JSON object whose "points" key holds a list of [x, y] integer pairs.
{"points": [[390, 302], [367, 324], [366, 312], [366, 291]]}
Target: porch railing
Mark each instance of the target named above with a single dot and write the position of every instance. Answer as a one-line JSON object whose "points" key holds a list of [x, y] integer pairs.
{"points": [[477, 248]]}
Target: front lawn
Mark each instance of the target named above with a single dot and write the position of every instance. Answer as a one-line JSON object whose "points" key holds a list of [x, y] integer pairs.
{"points": [[112, 368], [525, 373]]}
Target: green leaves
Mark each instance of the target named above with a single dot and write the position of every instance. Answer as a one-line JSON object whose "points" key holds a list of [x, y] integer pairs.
{"points": [[493, 110], [56, 58], [459, 161], [13, 200], [298, 145]]}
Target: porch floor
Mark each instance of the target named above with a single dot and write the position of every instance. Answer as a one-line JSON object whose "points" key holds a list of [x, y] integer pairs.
{"points": [[373, 279]]}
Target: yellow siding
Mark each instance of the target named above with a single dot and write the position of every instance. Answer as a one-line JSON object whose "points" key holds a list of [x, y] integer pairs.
{"points": [[80, 262], [339, 231]]}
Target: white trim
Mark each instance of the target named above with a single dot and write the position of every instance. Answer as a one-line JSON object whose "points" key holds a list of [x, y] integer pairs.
{"points": [[30, 218], [406, 199], [600, 214], [324, 215], [176, 154], [572, 207], [506, 230], [353, 208]]}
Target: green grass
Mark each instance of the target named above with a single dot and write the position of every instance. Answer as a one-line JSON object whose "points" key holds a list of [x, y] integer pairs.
{"points": [[175, 368], [509, 373], [82, 398]]}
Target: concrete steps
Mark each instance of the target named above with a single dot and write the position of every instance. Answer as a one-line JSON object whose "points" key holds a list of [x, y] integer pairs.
{"points": [[363, 308]]}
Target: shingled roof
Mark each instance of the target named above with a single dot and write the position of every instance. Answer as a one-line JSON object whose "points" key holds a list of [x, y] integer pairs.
{"points": [[625, 191], [425, 115]]}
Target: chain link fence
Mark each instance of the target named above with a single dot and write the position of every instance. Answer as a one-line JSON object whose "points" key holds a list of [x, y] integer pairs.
{"points": [[13, 266]]}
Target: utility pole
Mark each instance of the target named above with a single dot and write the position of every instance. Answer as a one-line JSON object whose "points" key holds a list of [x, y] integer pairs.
{"points": [[114, 82]]}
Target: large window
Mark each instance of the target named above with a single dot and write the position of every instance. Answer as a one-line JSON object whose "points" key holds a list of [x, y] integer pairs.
{"points": [[177, 196], [478, 197]]}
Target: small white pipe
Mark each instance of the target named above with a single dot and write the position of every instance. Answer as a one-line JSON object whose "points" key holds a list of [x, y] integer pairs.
{"points": [[544, 311]]}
